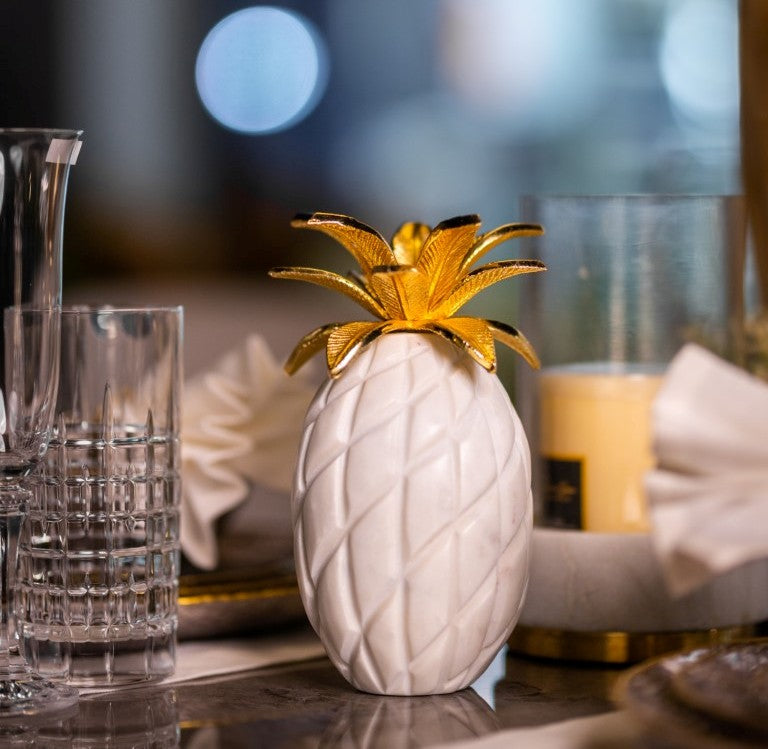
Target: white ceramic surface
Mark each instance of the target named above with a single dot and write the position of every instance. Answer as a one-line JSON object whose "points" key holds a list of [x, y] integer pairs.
{"points": [[412, 516], [587, 582]]}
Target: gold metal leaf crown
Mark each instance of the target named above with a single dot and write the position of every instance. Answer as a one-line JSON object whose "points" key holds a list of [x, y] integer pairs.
{"points": [[416, 284]]}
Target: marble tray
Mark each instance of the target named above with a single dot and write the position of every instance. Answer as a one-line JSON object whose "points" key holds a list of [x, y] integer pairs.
{"points": [[606, 593], [237, 601]]}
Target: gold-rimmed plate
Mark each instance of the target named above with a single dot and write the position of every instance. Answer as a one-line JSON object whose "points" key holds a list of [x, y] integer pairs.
{"points": [[237, 601]]}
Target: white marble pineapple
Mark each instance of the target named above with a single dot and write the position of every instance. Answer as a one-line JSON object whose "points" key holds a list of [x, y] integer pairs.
{"points": [[412, 496]]}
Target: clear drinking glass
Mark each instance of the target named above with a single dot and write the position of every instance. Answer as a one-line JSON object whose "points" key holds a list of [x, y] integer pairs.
{"points": [[34, 170], [630, 279], [99, 550]]}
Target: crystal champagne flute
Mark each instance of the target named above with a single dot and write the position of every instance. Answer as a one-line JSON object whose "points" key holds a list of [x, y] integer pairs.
{"points": [[34, 169]]}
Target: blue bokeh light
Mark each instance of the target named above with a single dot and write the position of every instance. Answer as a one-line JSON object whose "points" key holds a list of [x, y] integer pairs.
{"points": [[699, 62], [261, 70]]}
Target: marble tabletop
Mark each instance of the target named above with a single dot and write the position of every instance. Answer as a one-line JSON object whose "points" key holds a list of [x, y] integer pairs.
{"points": [[310, 705], [307, 704], [284, 693]]}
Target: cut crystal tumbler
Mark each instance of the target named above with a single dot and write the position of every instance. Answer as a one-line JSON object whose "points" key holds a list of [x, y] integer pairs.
{"points": [[99, 551]]}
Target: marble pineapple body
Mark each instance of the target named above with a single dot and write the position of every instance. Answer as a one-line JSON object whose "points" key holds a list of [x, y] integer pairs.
{"points": [[412, 494], [412, 517]]}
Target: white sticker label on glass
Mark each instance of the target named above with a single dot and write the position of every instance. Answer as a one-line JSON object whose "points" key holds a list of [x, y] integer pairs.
{"points": [[63, 151]]}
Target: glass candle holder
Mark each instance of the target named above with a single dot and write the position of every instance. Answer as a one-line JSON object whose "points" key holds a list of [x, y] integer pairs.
{"points": [[630, 279]]}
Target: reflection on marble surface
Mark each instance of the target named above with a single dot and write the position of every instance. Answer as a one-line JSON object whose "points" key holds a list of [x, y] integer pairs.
{"points": [[538, 691], [358, 721], [23, 731], [310, 705], [125, 719], [373, 722]]}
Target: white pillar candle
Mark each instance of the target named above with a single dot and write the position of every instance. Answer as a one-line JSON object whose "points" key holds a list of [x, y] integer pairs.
{"points": [[595, 444]]}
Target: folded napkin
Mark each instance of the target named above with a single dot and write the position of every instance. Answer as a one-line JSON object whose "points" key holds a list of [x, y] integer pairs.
{"points": [[708, 498], [208, 658], [241, 426]]}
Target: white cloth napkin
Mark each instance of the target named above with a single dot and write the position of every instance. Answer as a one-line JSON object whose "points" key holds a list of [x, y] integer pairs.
{"points": [[708, 498], [241, 425], [198, 659]]}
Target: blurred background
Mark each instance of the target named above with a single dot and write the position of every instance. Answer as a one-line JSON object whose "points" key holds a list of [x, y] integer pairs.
{"points": [[210, 123]]}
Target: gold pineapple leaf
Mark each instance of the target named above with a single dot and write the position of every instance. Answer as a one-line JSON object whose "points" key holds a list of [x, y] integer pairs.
{"points": [[365, 244], [417, 284], [473, 335], [443, 252], [408, 241], [335, 282], [484, 277], [402, 291], [347, 339], [513, 338], [311, 344], [491, 239]]}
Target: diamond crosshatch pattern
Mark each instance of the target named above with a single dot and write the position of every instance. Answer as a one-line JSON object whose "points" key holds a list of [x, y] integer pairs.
{"points": [[99, 553], [412, 512]]}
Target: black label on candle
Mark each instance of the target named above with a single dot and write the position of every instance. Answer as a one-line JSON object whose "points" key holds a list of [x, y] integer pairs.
{"points": [[562, 493]]}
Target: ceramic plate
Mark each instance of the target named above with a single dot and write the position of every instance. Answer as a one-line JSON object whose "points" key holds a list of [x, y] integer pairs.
{"points": [[650, 693], [730, 682], [231, 602]]}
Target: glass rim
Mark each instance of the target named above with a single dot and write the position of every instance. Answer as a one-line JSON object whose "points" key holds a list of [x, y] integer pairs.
{"points": [[62, 132], [74, 310]]}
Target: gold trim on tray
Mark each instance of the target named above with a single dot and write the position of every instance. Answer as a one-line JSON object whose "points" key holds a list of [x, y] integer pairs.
{"points": [[231, 602], [617, 647], [209, 587]]}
